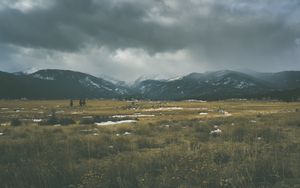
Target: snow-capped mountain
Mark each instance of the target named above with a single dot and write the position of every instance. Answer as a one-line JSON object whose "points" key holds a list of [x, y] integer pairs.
{"points": [[53, 83], [59, 84], [210, 85]]}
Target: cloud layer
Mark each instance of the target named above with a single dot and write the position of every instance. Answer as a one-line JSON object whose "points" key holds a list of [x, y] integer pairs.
{"points": [[128, 38]]}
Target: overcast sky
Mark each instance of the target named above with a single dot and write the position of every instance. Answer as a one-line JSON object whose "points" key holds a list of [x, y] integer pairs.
{"points": [[128, 38]]}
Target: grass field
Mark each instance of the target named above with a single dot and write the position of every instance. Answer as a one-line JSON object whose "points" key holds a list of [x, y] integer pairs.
{"points": [[129, 144]]}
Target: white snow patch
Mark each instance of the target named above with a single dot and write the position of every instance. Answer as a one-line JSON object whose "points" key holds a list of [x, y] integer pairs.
{"points": [[224, 112], [1, 134], [194, 100], [203, 113], [109, 89], [216, 132], [89, 130], [74, 113], [88, 82], [133, 116], [176, 78], [60, 112], [37, 120], [163, 109], [115, 122], [243, 84], [43, 77], [227, 114]]}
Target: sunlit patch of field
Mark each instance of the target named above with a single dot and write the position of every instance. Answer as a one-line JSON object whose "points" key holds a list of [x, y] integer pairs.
{"points": [[166, 144]]}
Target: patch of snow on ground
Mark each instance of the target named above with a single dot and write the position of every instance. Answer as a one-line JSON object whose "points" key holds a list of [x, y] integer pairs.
{"points": [[60, 112], [74, 113], [216, 132], [37, 120], [132, 116], [115, 122], [163, 109], [227, 114], [194, 100]]}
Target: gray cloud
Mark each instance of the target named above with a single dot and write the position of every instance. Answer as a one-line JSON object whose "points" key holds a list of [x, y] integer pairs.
{"points": [[200, 34]]}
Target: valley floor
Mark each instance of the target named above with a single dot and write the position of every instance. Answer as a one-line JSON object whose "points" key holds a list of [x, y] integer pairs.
{"points": [[128, 144]]}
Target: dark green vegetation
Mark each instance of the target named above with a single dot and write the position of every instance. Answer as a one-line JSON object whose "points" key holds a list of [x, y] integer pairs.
{"points": [[169, 146], [219, 85]]}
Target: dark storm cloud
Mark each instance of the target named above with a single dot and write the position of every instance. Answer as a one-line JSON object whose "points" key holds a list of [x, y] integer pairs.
{"points": [[211, 34], [71, 24]]}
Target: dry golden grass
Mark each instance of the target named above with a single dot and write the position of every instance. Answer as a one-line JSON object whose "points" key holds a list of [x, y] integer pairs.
{"points": [[259, 145]]}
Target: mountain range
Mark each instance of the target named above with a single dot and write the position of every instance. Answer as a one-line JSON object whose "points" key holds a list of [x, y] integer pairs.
{"points": [[217, 85]]}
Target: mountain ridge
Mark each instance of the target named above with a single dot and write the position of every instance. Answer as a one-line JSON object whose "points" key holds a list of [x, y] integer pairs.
{"points": [[213, 85]]}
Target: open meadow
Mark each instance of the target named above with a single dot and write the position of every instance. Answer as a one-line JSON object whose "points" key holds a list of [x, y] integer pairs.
{"points": [[149, 144]]}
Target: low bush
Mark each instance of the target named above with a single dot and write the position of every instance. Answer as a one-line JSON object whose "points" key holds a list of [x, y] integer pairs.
{"points": [[15, 122]]}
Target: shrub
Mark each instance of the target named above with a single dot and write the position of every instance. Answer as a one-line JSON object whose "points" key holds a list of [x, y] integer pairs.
{"points": [[53, 120], [87, 121], [15, 122], [221, 157], [66, 121], [146, 143], [202, 128]]}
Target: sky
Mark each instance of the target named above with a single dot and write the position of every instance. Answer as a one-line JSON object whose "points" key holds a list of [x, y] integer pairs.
{"points": [[125, 39]]}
